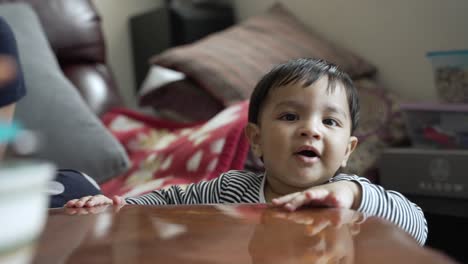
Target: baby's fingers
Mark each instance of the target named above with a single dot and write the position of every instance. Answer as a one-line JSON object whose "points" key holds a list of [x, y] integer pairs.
{"points": [[98, 200], [296, 202], [317, 197], [323, 198], [285, 199], [78, 202], [71, 203]]}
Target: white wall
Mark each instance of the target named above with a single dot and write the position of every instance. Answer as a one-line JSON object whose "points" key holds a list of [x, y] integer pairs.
{"points": [[393, 34], [115, 15]]}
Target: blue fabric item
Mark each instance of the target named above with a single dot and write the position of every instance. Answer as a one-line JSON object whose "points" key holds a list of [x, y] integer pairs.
{"points": [[15, 89], [68, 185]]}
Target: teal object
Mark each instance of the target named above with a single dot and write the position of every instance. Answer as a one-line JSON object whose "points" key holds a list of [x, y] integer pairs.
{"points": [[8, 131]]}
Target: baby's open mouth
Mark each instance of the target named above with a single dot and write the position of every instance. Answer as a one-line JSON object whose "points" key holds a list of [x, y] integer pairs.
{"points": [[307, 153]]}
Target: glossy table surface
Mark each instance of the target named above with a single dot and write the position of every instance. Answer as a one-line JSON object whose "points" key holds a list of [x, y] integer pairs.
{"points": [[224, 234]]}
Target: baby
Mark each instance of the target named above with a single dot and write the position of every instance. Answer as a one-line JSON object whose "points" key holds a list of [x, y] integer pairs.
{"points": [[302, 115]]}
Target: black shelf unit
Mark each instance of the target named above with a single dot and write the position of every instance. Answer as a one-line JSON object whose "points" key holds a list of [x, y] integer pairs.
{"points": [[175, 23], [447, 220]]}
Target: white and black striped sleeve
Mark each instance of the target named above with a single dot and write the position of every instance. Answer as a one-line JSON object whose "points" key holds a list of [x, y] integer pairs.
{"points": [[204, 192], [391, 205], [240, 186]]}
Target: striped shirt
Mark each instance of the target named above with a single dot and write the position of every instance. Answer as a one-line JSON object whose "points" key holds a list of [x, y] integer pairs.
{"points": [[247, 187]]}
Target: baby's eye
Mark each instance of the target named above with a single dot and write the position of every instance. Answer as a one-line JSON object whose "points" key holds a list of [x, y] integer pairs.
{"points": [[289, 117], [330, 122]]}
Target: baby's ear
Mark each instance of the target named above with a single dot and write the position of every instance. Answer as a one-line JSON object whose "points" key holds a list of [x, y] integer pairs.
{"points": [[352, 144], [252, 131]]}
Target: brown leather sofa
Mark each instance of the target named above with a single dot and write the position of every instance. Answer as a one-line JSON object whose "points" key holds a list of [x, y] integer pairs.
{"points": [[73, 28]]}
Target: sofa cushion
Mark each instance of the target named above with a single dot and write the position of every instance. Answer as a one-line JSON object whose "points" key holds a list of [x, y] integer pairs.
{"points": [[381, 125], [228, 64], [73, 137]]}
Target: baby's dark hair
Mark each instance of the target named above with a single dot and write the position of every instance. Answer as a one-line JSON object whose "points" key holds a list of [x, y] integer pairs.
{"points": [[307, 71]]}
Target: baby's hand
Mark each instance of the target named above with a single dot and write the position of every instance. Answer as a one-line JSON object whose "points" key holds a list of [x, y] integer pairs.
{"points": [[96, 200], [341, 194]]}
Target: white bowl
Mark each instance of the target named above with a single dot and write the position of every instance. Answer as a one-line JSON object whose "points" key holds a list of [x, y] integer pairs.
{"points": [[23, 202]]}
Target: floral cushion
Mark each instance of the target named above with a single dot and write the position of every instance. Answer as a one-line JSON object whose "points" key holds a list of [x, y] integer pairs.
{"points": [[165, 153]]}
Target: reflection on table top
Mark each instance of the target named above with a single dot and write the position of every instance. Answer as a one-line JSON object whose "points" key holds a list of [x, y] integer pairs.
{"points": [[224, 234]]}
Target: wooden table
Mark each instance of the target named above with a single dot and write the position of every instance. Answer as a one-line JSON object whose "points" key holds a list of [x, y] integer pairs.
{"points": [[224, 234]]}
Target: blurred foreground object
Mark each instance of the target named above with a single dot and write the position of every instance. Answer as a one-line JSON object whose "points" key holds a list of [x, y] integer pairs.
{"points": [[23, 207], [7, 69]]}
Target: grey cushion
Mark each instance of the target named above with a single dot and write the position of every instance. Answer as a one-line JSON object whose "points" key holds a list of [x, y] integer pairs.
{"points": [[73, 136]]}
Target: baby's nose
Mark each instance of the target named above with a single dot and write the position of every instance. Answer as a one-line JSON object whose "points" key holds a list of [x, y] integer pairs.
{"points": [[311, 130]]}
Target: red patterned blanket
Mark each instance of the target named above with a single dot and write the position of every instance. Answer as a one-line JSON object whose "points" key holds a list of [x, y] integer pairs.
{"points": [[164, 153]]}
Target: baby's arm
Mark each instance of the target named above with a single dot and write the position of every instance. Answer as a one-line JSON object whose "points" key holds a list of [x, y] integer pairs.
{"points": [[358, 193], [340, 194], [205, 192], [391, 205], [198, 193]]}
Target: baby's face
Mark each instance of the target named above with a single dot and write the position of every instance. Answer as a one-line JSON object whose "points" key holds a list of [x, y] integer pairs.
{"points": [[303, 134]]}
